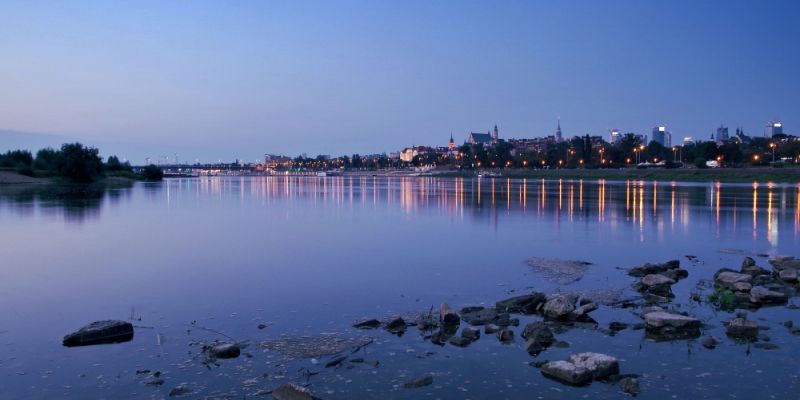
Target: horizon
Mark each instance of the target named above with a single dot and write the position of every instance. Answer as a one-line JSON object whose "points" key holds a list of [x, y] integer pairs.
{"points": [[215, 82]]}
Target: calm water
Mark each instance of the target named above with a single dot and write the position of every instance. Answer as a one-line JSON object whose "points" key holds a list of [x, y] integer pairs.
{"points": [[311, 255]]}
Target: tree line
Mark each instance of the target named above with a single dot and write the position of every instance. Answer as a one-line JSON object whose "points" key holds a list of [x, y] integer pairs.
{"points": [[73, 161]]}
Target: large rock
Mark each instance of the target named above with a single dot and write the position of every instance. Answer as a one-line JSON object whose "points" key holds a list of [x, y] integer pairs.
{"points": [[783, 262], [667, 325], [762, 295], [397, 326], [100, 332], [788, 275], [567, 372], [538, 337], [478, 315], [583, 311], [447, 316], [600, 365], [290, 391], [559, 307], [742, 329], [648, 268], [525, 304], [732, 280], [656, 284]]}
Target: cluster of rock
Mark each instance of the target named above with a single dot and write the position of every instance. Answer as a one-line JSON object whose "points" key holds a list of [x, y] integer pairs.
{"points": [[753, 286], [581, 369], [656, 280]]}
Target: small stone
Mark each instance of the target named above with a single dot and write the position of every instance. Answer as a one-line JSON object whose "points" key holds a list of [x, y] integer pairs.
{"points": [[788, 275], [459, 341], [629, 386], [600, 365], [368, 324], [505, 335], [225, 350], [743, 329], [424, 380], [559, 307], [397, 326], [471, 334], [525, 304], [617, 326], [710, 342], [180, 390], [491, 328], [290, 391], [762, 295]]}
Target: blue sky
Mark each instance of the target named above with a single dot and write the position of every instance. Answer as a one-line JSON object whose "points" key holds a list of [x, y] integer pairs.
{"points": [[224, 80]]}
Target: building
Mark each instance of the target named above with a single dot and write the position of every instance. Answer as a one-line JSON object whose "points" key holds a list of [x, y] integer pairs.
{"points": [[722, 135], [495, 135], [451, 145], [275, 161], [688, 140], [614, 136], [479, 138], [558, 131], [408, 154], [662, 136], [773, 128]]}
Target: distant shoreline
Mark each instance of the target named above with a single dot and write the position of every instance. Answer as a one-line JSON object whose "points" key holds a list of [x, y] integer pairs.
{"points": [[11, 178], [732, 175]]}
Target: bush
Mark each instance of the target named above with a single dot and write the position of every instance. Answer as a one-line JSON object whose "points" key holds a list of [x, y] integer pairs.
{"points": [[113, 164], [152, 173], [16, 158]]}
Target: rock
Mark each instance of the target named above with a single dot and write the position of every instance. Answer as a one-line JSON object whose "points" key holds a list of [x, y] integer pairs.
{"points": [[505, 320], [762, 295], [599, 365], [617, 326], [224, 350], [667, 325], [566, 372], [100, 332], [526, 304], [728, 279], [676, 274], [538, 337], [367, 324], [748, 262], [471, 334], [491, 328], [397, 326], [505, 335], [781, 263], [447, 316], [655, 283], [335, 362], [459, 341], [559, 307], [478, 315], [788, 275], [583, 311], [788, 324], [710, 342], [180, 390], [290, 391], [538, 363], [562, 272], [742, 287], [766, 346], [742, 329], [648, 268], [427, 322], [424, 380], [629, 386], [263, 326]]}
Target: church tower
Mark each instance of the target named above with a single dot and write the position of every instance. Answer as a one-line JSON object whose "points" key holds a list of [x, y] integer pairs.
{"points": [[495, 135], [452, 144], [558, 131]]}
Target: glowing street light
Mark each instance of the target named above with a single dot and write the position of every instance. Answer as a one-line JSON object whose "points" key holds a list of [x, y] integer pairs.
{"points": [[773, 146]]}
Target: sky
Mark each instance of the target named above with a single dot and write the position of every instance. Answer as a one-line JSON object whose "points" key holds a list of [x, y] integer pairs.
{"points": [[221, 80]]}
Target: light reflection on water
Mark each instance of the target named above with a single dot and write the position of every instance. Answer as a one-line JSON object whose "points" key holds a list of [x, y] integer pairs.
{"points": [[313, 254]]}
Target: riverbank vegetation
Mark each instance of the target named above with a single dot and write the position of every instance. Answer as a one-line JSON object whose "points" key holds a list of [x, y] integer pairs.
{"points": [[73, 162]]}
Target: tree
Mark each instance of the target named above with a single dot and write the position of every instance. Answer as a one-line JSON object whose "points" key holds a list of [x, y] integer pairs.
{"points": [[152, 173], [79, 163]]}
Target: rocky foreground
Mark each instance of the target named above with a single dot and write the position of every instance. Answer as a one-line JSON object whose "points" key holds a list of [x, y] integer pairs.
{"points": [[744, 290]]}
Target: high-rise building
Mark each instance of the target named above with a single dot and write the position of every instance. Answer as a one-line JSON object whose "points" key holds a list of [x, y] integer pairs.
{"points": [[558, 131], [773, 128], [662, 136], [614, 136]]}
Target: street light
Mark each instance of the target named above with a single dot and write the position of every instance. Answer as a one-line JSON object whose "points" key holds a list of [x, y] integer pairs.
{"points": [[773, 146]]}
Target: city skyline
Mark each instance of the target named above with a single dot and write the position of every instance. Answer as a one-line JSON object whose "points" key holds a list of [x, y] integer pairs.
{"points": [[211, 81]]}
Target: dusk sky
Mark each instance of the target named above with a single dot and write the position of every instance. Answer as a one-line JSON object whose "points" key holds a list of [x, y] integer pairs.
{"points": [[225, 79]]}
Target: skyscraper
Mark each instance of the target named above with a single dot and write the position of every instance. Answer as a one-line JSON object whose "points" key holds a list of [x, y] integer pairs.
{"points": [[662, 136], [722, 134], [773, 128], [614, 136]]}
